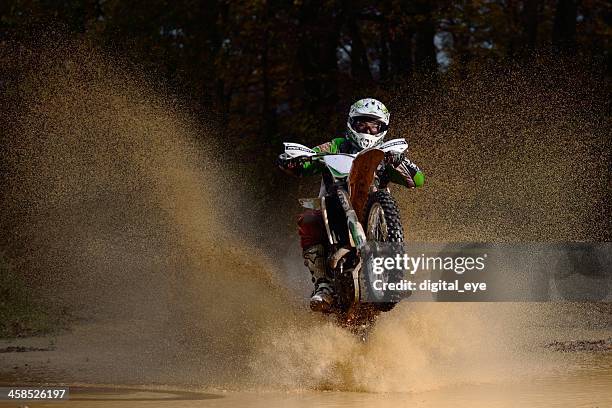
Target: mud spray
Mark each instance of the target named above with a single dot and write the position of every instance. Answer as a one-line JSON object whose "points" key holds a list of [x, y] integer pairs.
{"points": [[122, 215], [119, 214]]}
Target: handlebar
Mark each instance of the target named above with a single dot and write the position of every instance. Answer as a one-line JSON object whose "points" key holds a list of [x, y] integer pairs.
{"points": [[303, 159], [318, 156]]}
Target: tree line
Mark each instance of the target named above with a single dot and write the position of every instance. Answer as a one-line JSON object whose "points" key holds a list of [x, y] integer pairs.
{"points": [[265, 69]]}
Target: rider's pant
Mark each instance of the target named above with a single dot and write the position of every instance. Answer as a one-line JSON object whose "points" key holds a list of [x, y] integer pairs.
{"points": [[312, 238], [311, 228]]}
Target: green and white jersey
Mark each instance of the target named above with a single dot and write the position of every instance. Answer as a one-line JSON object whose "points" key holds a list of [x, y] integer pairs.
{"points": [[412, 174]]}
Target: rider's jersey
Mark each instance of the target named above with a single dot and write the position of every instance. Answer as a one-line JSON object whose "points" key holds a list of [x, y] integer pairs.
{"points": [[411, 173]]}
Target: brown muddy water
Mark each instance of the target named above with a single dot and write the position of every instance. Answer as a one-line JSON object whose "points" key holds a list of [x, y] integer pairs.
{"points": [[116, 214], [428, 355], [587, 382], [590, 389]]}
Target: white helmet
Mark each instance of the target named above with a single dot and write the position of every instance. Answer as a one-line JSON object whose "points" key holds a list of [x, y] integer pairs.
{"points": [[369, 110]]}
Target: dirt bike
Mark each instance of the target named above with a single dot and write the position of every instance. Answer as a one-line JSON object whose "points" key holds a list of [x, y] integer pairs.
{"points": [[357, 215]]}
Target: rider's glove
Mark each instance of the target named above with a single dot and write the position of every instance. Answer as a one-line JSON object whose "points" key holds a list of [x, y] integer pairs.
{"points": [[394, 158]]}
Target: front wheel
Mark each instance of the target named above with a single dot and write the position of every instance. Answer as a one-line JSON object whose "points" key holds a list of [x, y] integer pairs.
{"points": [[383, 218], [383, 224]]}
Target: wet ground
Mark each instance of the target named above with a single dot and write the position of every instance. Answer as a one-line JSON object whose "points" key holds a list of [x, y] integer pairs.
{"points": [[584, 387], [549, 356]]}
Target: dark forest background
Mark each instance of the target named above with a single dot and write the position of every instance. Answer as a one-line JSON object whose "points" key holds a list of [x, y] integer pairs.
{"points": [[262, 72], [268, 71]]}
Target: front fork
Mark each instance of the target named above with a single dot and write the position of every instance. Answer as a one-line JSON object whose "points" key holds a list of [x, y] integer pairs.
{"points": [[356, 233], [357, 238]]}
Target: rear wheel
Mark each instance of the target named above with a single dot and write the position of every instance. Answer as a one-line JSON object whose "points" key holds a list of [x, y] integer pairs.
{"points": [[383, 224]]}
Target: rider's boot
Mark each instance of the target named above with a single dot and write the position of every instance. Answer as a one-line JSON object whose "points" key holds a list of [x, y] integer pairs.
{"points": [[322, 296]]}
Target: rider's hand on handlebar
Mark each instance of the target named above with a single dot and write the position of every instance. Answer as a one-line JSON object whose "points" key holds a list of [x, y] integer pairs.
{"points": [[290, 163], [394, 158]]}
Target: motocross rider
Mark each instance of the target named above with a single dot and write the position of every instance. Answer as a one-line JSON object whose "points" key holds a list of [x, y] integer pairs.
{"points": [[367, 124]]}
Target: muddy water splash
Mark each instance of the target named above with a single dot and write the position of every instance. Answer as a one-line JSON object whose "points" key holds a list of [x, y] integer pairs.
{"points": [[120, 217], [415, 347], [520, 154], [512, 153]]}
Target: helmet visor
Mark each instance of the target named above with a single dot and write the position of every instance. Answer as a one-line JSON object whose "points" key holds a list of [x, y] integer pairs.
{"points": [[368, 125]]}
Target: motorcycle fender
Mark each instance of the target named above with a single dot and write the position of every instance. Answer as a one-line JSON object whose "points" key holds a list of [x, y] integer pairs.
{"points": [[361, 178]]}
